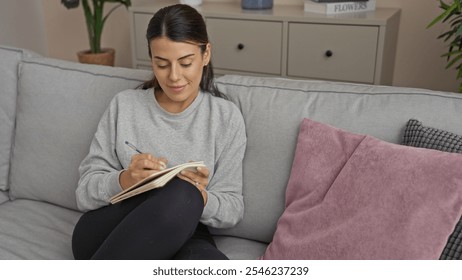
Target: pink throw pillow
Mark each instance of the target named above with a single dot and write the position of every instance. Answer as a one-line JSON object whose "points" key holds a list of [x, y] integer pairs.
{"points": [[353, 196]]}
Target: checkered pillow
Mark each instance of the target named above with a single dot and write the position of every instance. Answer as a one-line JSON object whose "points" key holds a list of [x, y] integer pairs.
{"points": [[417, 135]]}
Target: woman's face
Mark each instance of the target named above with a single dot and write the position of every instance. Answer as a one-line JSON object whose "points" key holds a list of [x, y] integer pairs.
{"points": [[178, 69]]}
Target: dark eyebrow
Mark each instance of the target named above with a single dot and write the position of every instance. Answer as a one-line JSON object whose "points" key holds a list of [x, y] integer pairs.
{"points": [[183, 57]]}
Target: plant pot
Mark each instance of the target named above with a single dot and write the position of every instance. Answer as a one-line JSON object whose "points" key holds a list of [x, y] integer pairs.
{"points": [[106, 57]]}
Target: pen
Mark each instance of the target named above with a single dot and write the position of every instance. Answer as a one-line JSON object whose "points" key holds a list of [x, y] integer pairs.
{"points": [[133, 147]]}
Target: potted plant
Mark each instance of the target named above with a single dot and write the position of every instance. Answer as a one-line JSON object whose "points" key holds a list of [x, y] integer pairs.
{"points": [[452, 14], [95, 20]]}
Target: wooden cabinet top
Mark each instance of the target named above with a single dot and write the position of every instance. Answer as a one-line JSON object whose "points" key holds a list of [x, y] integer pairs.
{"points": [[292, 13]]}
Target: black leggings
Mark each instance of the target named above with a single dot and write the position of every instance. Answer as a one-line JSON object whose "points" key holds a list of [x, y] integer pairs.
{"points": [[160, 224]]}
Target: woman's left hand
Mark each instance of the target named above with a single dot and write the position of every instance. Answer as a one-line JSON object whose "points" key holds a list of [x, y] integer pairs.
{"points": [[199, 178]]}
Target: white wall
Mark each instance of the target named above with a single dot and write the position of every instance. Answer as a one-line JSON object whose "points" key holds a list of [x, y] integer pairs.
{"points": [[22, 25]]}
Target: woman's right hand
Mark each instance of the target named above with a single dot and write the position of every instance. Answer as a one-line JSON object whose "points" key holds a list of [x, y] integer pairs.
{"points": [[141, 166]]}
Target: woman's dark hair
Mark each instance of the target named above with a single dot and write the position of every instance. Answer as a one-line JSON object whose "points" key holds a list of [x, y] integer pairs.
{"points": [[182, 23]]}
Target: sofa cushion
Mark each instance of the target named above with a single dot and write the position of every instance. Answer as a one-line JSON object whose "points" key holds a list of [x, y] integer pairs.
{"points": [[273, 109], [418, 135], [4, 196], [236, 248], [353, 196], [59, 106], [36, 230], [10, 58]]}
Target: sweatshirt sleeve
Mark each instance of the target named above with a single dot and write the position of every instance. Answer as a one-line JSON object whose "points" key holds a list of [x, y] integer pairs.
{"points": [[225, 205], [100, 169]]}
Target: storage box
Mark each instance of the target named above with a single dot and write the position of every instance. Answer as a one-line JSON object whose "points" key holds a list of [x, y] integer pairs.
{"points": [[257, 4]]}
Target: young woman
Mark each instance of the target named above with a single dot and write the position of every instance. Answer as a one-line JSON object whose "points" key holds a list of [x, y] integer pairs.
{"points": [[177, 117]]}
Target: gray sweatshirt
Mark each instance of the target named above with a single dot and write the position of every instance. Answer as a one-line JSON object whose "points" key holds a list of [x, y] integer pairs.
{"points": [[211, 129]]}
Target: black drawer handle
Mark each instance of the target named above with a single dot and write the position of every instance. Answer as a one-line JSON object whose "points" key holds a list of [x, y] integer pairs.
{"points": [[329, 53], [240, 46]]}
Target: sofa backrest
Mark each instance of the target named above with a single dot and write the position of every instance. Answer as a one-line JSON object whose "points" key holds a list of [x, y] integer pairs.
{"points": [[9, 60], [59, 106], [273, 109]]}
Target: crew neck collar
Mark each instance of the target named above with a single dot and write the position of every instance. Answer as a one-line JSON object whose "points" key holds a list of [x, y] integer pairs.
{"points": [[191, 108]]}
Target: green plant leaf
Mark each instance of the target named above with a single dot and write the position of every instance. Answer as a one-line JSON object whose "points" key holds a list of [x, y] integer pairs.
{"points": [[446, 35], [95, 20], [443, 5], [445, 15], [70, 4], [453, 61], [459, 30], [110, 12], [126, 3], [451, 53], [459, 72]]}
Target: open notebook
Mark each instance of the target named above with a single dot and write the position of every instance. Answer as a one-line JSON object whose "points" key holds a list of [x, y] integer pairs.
{"points": [[156, 180]]}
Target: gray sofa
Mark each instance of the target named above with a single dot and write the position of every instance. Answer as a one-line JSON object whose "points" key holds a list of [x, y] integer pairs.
{"points": [[49, 110]]}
